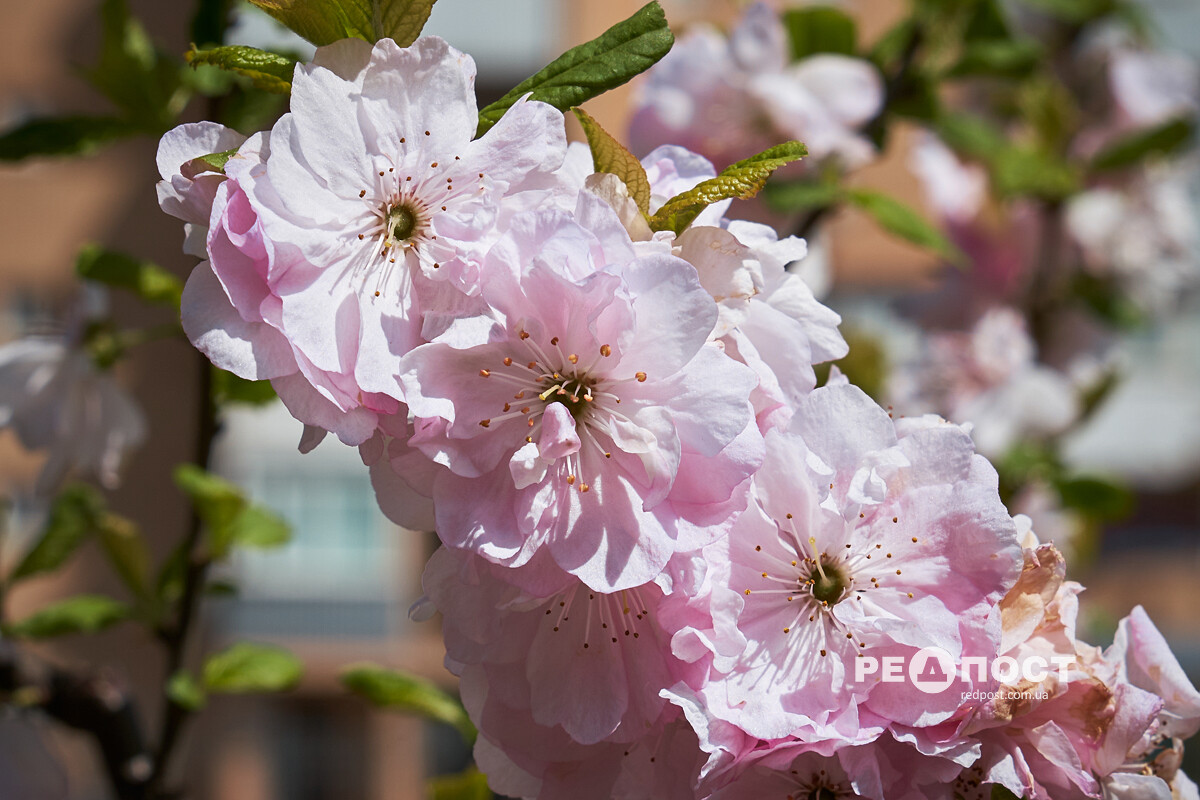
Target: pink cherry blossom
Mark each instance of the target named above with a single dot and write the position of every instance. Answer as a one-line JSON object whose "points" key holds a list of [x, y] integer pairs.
{"points": [[597, 423], [860, 543], [727, 98], [55, 399], [590, 663], [352, 231], [188, 186], [988, 377]]}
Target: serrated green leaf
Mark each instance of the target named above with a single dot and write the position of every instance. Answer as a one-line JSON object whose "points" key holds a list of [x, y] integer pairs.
{"points": [[625, 50], [148, 281], [1163, 139], [85, 613], [127, 552], [62, 136], [400, 691], [742, 180], [470, 784], [268, 71], [246, 667], [72, 519], [820, 29], [325, 21], [609, 155], [788, 196], [185, 691], [899, 220], [229, 388]]}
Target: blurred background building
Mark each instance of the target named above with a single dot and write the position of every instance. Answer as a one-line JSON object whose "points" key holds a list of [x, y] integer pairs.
{"points": [[339, 592]]}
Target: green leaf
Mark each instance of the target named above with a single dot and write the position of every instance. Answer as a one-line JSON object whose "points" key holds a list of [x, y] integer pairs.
{"points": [[1026, 171], [221, 589], [399, 691], [85, 613], [1096, 497], [997, 58], [216, 161], [987, 22], [1001, 793], [260, 528], [820, 29], [247, 667], [470, 784], [325, 21], [229, 388], [127, 552], [1163, 139], [742, 180], [893, 43], [626, 49], [62, 136], [1014, 170], [148, 281], [1073, 11], [269, 71], [231, 519], [216, 500], [137, 78], [184, 691], [900, 220], [1108, 301], [789, 196], [72, 519], [970, 136], [609, 155]]}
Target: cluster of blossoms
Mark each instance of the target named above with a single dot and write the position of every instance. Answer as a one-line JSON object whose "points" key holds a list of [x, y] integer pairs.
{"points": [[56, 398], [1024, 342], [671, 565]]}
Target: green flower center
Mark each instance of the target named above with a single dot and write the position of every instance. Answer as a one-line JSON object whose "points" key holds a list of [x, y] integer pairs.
{"points": [[401, 222], [830, 583]]}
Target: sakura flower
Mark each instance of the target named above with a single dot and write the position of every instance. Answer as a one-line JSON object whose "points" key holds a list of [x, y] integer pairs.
{"points": [[768, 318], [988, 377], [861, 543], [1150, 88], [726, 98], [352, 231], [956, 191], [188, 186], [596, 424], [56, 399], [523, 759], [1144, 239], [590, 663]]}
